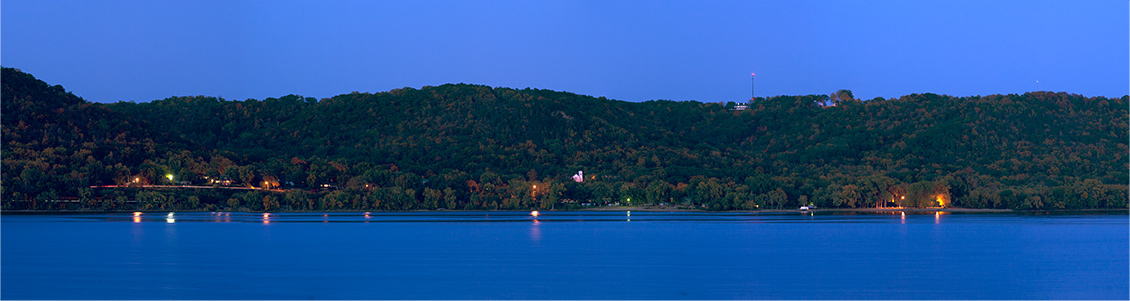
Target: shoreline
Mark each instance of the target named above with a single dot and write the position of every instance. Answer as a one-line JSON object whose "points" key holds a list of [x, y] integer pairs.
{"points": [[864, 210], [612, 209], [832, 209]]}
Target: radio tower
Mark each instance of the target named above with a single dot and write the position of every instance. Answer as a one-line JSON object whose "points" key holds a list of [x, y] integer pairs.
{"points": [[753, 87]]}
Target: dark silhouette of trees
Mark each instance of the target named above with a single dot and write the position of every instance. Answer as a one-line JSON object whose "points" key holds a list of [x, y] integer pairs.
{"points": [[462, 147]]}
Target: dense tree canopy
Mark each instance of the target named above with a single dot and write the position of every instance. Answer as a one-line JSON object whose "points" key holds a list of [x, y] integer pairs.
{"points": [[461, 146]]}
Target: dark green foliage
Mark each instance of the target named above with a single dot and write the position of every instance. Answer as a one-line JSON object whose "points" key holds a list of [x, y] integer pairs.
{"points": [[463, 146], [56, 144]]}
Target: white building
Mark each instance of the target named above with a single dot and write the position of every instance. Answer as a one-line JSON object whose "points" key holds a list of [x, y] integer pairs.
{"points": [[579, 177]]}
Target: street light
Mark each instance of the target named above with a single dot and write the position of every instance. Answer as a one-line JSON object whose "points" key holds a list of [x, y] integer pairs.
{"points": [[170, 176]]}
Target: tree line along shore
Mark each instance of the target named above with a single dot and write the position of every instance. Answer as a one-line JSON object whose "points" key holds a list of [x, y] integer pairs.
{"points": [[473, 147]]}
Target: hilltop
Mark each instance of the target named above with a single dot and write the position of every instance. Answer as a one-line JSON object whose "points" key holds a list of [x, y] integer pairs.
{"points": [[460, 146]]}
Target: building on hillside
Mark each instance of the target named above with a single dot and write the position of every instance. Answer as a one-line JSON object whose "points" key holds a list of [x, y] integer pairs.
{"points": [[223, 180]]}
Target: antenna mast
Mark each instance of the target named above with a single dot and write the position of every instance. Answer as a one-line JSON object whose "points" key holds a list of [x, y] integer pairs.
{"points": [[753, 87]]}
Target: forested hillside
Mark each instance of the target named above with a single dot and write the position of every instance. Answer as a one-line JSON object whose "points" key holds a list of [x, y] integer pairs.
{"points": [[476, 147], [56, 145]]}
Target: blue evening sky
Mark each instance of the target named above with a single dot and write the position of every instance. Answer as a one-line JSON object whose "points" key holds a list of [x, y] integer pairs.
{"points": [[107, 51]]}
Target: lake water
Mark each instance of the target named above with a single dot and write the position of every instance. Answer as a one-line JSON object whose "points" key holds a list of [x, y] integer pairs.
{"points": [[565, 255]]}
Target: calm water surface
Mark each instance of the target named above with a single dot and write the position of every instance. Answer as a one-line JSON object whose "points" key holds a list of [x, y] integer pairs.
{"points": [[564, 255]]}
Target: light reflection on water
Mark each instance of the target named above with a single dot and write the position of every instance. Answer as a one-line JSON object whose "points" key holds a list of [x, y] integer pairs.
{"points": [[570, 255], [902, 217], [535, 231]]}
